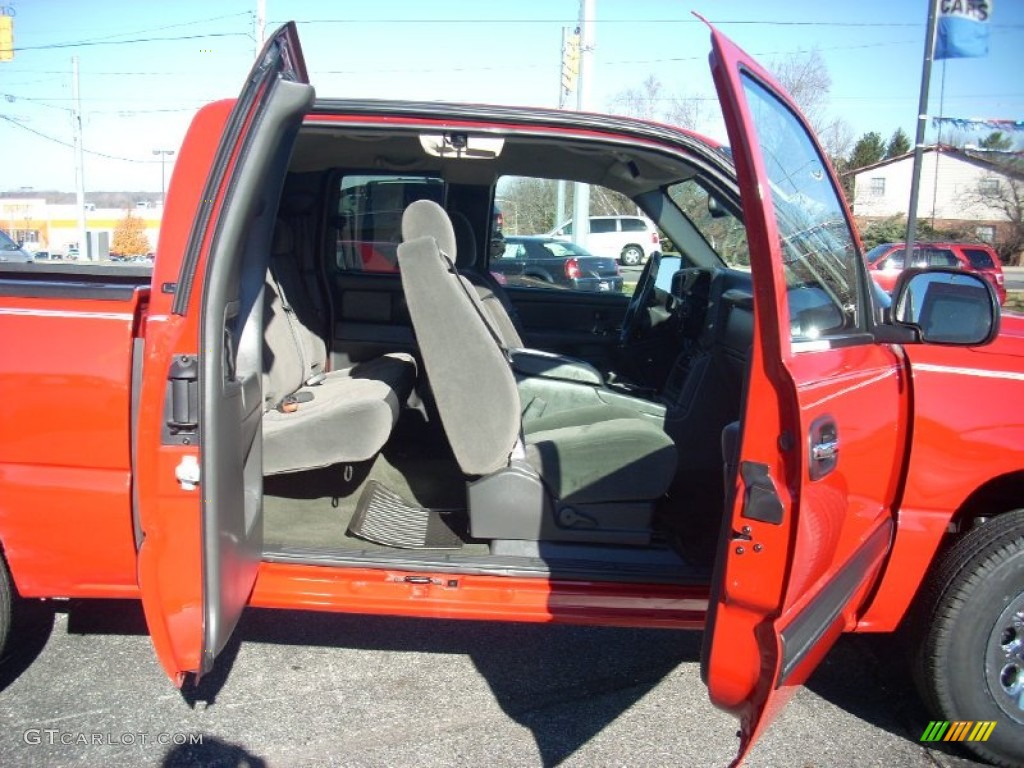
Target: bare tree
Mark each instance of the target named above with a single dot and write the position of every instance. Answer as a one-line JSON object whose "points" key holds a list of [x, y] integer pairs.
{"points": [[686, 112], [650, 102], [806, 78], [640, 102], [528, 204], [1003, 195]]}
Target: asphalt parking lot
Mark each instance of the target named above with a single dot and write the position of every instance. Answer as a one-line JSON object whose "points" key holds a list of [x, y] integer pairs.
{"points": [[296, 689]]}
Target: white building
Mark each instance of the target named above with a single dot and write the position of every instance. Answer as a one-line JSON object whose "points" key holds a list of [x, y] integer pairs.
{"points": [[43, 226], [958, 190]]}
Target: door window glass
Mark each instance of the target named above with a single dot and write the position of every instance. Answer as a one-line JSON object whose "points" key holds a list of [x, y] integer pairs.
{"points": [[539, 252], [818, 249], [941, 257], [979, 259]]}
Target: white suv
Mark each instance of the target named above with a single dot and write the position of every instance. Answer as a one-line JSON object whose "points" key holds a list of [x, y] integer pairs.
{"points": [[630, 239]]}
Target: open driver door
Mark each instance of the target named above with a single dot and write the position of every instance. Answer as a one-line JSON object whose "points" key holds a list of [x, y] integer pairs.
{"points": [[815, 462]]}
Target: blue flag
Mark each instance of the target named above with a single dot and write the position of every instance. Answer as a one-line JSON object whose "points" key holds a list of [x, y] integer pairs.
{"points": [[963, 28]]}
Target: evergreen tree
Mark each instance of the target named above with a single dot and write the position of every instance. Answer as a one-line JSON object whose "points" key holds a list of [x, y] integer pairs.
{"points": [[899, 144], [996, 140], [869, 149]]}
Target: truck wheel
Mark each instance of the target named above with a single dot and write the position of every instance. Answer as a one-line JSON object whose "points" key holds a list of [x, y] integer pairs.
{"points": [[631, 255], [969, 661], [6, 604]]}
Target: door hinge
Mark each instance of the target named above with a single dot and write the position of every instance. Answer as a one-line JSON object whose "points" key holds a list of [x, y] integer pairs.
{"points": [[181, 402]]}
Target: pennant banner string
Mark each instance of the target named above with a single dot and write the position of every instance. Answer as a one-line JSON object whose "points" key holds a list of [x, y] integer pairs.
{"points": [[975, 124]]}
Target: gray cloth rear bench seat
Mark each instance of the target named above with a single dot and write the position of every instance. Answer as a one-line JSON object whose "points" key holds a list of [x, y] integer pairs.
{"points": [[314, 418]]}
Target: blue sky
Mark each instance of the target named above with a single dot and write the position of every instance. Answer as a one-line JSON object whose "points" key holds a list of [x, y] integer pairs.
{"points": [[140, 96]]}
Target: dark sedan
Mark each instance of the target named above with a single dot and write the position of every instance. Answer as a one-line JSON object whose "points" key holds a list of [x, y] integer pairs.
{"points": [[545, 261]]}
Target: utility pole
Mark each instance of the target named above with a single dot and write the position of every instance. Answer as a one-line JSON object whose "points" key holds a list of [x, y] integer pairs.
{"points": [[261, 24], [567, 80], [581, 192], [164, 154], [922, 118], [76, 120]]}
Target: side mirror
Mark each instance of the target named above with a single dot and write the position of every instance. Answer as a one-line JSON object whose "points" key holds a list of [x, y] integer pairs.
{"points": [[497, 245], [946, 305], [715, 209]]}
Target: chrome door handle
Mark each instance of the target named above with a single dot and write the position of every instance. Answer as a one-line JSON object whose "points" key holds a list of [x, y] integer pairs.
{"points": [[823, 445], [826, 450]]}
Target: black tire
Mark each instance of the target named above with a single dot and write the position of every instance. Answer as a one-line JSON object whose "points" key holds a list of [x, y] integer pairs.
{"points": [[6, 604], [631, 255], [968, 631]]}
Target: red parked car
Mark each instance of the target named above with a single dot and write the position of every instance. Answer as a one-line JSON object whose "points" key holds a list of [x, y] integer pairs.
{"points": [[886, 262]]}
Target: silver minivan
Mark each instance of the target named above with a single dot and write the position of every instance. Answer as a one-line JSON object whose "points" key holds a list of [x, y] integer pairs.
{"points": [[630, 239]]}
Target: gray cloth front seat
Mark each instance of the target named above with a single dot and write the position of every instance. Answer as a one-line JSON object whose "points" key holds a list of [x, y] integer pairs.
{"points": [[589, 475], [495, 300], [314, 418], [547, 382]]}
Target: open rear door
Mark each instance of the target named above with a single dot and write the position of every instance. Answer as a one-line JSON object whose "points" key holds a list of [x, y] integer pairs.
{"points": [[200, 470], [818, 455]]}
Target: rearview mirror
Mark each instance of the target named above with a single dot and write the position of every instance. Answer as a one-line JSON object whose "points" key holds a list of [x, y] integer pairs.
{"points": [[715, 208], [947, 306]]}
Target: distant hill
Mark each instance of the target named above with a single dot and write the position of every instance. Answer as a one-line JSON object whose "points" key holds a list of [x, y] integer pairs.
{"points": [[99, 199]]}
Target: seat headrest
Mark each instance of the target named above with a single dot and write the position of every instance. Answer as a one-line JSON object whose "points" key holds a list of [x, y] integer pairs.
{"points": [[425, 218], [465, 241]]}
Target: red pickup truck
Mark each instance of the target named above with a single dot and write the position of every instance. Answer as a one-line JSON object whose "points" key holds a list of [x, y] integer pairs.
{"points": [[753, 443]]}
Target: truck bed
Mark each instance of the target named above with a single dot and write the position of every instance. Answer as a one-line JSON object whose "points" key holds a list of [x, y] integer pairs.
{"points": [[69, 366]]}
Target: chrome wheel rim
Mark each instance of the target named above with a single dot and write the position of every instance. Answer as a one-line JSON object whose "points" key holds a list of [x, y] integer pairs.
{"points": [[1004, 663]]}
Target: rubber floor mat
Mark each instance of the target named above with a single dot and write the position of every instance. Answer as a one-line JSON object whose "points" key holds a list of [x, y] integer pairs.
{"points": [[384, 517]]}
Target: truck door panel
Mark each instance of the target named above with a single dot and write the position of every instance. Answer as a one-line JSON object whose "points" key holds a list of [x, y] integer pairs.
{"points": [[202, 519], [824, 434]]}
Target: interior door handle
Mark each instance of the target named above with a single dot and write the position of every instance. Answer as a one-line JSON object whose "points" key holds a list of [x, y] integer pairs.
{"points": [[824, 447]]}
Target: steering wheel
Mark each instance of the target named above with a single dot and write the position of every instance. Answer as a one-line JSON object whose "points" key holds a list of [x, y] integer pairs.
{"points": [[640, 300]]}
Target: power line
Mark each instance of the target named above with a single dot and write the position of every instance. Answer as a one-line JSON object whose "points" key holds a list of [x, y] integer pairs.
{"points": [[166, 26], [63, 143], [11, 99], [86, 44], [605, 21], [35, 102], [723, 22]]}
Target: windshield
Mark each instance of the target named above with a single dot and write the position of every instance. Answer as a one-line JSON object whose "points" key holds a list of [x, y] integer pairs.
{"points": [[720, 229], [877, 252]]}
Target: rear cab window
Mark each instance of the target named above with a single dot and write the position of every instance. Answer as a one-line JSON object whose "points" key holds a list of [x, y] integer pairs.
{"points": [[368, 223]]}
